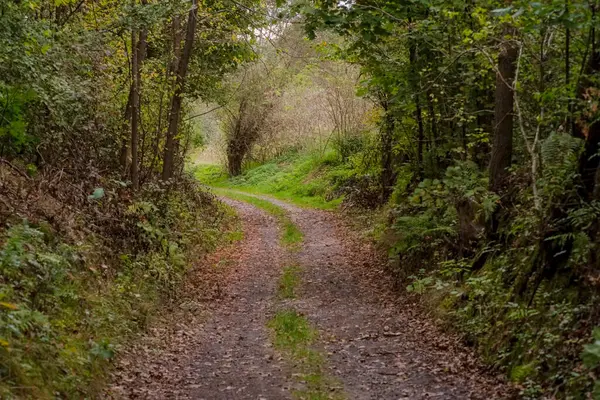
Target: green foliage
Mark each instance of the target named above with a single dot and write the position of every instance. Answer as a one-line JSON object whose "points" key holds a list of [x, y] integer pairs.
{"points": [[66, 308], [560, 156], [295, 178], [507, 307], [591, 358], [37, 281], [427, 221], [311, 178], [13, 126]]}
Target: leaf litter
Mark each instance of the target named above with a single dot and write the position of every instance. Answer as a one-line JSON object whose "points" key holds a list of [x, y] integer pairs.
{"points": [[214, 343]]}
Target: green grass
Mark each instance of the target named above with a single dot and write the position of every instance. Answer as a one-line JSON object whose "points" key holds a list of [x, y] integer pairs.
{"points": [[303, 179], [234, 236], [256, 201], [235, 231], [289, 281], [292, 331], [293, 334], [292, 237]]}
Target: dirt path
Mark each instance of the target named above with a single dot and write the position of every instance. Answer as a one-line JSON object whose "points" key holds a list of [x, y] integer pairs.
{"points": [[225, 352], [372, 342], [378, 347]]}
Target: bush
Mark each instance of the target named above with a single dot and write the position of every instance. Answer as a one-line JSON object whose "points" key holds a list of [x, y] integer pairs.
{"points": [[521, 296]]}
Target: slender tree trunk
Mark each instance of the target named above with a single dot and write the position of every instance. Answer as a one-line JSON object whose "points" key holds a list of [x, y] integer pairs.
{"points": [[588, 126], [569, 125], [502, 145], [388, 176], [142, 48], [567, 48], [138, 48], [418, 109], [434, 133], [125, 156], [170, 71], [177, 37], [420, 136], [412, 57], [135, 108], [463, 138], [174, 115]]}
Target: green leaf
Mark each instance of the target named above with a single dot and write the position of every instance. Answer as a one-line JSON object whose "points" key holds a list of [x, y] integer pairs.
{"points": [[97, 195], [501, 11]]}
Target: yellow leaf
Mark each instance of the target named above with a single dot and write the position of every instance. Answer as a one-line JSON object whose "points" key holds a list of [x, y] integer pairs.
{"points": [[10, 306], [3, 343]]}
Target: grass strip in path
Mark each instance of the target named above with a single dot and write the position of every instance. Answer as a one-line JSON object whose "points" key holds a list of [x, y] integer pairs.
{"points": [[289, 281], [293, 334], [292, 236]]}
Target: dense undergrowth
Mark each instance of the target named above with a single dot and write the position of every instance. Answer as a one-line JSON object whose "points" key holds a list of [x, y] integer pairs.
{"points": [[98, 224], [75, 288], [533, 326]]}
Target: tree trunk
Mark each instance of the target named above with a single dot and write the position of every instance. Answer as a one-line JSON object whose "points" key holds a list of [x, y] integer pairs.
{"points": [[142, 48], [434, 134], [239, 141], [412, 57], [569, 123], [388, 175], [588, 127], [174, 115], [420, 137], [501, 157], [135, 108], [463, 139], [125, 156], [139, 49], [234, 162]]}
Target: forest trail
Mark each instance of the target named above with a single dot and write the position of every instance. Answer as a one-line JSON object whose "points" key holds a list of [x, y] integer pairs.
{"points": [[371, 343]]}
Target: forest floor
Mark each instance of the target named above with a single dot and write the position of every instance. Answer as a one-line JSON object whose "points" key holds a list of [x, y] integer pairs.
{"points": [[317, 319]]}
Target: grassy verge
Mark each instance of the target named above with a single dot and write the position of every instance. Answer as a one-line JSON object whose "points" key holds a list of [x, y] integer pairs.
{"points": [[293, 334], [292, 237], [302, 179]]}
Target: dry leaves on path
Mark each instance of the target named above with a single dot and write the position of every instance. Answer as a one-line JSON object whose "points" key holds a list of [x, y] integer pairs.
{"points": [[377, 344]]}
